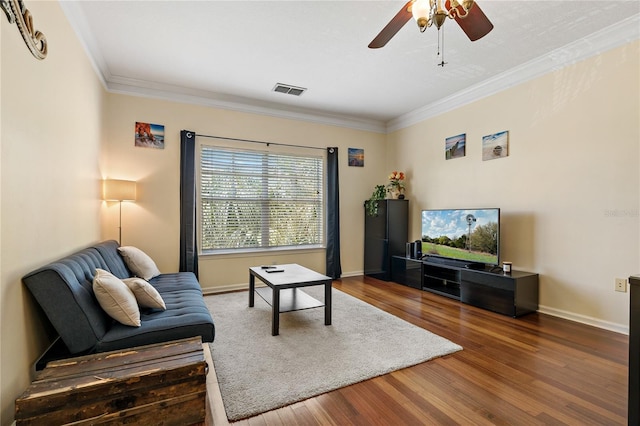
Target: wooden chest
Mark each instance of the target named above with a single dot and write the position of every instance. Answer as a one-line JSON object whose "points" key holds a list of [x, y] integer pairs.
{"points": [[162, 384]]}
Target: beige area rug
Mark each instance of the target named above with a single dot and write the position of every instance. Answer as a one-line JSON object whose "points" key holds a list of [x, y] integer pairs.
{"points": [[258, 372]]}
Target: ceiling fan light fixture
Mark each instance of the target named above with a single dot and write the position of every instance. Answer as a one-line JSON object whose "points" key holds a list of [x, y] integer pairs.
{"points": [[429, 12], [421, 11]]}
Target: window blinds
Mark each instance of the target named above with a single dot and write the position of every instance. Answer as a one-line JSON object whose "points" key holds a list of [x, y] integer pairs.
{"points": [[252, 199]]}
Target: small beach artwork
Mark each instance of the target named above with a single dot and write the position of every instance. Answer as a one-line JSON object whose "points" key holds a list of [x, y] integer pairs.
{"points": [[455, 146], [356, 157], [495, 146], [149, 135]]}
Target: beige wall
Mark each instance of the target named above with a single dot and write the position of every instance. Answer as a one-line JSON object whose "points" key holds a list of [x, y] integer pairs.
{"points": [[152, 223], [51, 136], [569, 190]]}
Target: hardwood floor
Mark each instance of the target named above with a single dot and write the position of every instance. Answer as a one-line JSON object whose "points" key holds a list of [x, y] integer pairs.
{"points": [[532, 370]]}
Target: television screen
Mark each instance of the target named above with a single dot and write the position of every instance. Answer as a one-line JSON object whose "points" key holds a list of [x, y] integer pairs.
{"points": [[471, 235]]}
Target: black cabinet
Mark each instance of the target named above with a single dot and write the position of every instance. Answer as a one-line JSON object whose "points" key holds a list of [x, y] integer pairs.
{"points": [[634, 351], [406, 271], [385, 235], [511, 294]]}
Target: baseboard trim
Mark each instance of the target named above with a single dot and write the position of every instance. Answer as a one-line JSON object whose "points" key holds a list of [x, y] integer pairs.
{"points": [[245, 286], [227, 288], [351, 274], [584, 319]]}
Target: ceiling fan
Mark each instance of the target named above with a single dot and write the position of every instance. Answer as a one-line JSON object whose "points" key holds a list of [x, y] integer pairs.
{"points": [[466, 13]]}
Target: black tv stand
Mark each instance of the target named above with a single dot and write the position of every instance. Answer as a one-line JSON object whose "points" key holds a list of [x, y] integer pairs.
{"points": [[513, 294]]}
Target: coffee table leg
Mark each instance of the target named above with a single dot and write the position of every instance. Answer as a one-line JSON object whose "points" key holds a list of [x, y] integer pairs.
{"points": [[252, 288], [327, 303], [275, 308]]}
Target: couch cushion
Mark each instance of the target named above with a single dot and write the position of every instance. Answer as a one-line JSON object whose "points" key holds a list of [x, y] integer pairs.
{"points": [[178, 281], [115, 263]]}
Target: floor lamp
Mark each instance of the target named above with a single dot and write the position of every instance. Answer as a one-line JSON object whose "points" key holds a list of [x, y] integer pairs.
{"points": [[119, 190]]}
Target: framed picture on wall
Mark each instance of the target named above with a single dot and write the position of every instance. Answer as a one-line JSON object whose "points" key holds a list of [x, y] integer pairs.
{"points": [[149, 135], [495, 146], [356, 157], [455, 146]]}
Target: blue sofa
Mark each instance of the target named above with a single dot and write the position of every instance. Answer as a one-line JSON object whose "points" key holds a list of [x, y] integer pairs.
{"points": [[64, 290]]}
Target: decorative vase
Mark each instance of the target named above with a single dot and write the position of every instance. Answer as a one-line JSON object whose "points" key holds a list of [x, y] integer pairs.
{"points": [[397, 193]]}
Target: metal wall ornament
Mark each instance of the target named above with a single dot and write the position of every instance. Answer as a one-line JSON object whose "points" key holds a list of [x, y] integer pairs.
{"points": [[18, 13]]}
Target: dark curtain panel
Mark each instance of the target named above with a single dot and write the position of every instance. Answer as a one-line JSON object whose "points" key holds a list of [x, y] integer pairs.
{"points": [[334, 269], [188, 240]]}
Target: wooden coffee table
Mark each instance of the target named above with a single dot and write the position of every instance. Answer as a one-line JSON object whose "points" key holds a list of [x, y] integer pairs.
{"points": [[283, 292]]}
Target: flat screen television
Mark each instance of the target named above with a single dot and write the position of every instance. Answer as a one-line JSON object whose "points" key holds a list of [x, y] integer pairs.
{"points": [[468, 236]]}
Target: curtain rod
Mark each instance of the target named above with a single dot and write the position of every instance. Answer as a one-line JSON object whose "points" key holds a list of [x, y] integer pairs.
{"points": [[262, 142]]}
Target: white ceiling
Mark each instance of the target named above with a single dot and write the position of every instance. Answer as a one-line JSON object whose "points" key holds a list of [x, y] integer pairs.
{"points": [[231, 54]]}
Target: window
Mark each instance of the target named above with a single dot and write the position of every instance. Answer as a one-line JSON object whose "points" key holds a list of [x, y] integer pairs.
{"points": [[252, 199]]}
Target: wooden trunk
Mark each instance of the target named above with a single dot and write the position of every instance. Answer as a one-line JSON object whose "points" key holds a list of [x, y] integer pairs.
{"points": [[161, 384]]}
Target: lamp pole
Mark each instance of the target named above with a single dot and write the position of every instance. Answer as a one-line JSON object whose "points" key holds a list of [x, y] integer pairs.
{"points": [[120, 227]]}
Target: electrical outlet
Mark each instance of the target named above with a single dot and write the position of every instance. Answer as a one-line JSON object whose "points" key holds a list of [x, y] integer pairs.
{"points": [[621, 284]]}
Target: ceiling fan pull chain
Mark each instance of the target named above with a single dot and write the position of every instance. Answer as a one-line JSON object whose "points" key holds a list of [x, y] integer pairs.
{"points": [[442, 62]]}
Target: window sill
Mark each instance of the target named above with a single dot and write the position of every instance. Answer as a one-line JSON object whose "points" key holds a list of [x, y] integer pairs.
{"points": [[239, 253]]}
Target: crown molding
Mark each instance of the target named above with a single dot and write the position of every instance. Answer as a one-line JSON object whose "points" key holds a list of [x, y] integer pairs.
{"points": [[601, 41], [147, 89], [78, 22]]}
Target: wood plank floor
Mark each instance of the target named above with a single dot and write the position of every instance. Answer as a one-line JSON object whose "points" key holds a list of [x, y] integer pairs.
{"points": [[533, 370]]}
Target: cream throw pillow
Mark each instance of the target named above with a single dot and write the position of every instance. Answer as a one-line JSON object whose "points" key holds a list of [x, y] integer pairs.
{"points": [[115, 298], [146, 294], [139, 262]]}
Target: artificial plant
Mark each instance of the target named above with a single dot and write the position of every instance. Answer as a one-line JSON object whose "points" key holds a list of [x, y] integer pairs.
{"points": [[371, 205]]}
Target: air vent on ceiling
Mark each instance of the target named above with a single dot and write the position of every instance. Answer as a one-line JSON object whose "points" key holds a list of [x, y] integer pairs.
{"points": [[288, 89]]}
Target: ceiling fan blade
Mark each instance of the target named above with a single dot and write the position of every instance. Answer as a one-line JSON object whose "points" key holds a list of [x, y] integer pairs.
{"points": [[476, 24], [392, 27]]}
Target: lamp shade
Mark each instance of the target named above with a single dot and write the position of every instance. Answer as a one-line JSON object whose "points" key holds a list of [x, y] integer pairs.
{"points": [[420, 9], [119, 190]]}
